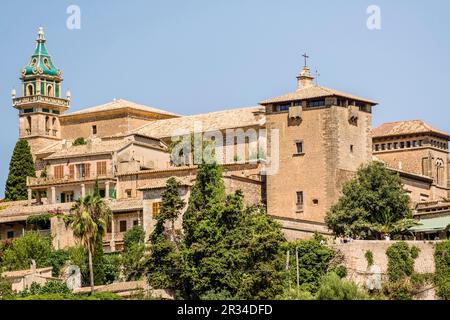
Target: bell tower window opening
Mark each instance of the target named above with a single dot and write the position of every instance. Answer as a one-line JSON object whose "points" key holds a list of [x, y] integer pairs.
{"points": [[30, 90], [28, 125], [50, 90]]}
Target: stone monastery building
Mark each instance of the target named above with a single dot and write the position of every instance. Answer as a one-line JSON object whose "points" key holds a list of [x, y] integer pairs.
{"points": [[293, 153]]}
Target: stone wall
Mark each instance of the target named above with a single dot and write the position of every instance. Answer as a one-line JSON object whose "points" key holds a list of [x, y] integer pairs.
{"points": [[356, 263]]}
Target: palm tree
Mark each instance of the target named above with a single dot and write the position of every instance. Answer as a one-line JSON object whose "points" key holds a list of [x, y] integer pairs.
{"points": [[386, 226], [88, 220]]}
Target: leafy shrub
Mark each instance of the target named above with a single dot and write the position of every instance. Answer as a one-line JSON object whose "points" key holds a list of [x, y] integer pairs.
{"points": [[442, 277], [51, 287], [135, 235], [112, 267], [401, 260], [58, 259], [341, 271], [5, 288], [314, 262], [292, 294], [79, 142], [369, 258], [332, 287], [32, 246]]}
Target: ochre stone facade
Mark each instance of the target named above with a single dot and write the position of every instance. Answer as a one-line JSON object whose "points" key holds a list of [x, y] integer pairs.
{"points": [[292, 153]]}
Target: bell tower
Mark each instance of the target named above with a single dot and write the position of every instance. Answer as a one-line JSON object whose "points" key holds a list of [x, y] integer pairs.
{"points": [[40, 105]]}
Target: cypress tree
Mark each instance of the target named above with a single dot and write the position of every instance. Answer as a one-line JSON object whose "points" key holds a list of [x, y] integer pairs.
{"points": [[165, 257], [20, 167], [206, 205]]}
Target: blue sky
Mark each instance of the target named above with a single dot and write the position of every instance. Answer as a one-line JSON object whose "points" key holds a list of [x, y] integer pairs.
{"points": [[195, 56]]}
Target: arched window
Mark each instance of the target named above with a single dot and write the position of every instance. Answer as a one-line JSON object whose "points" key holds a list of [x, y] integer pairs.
{"points": [[50, 90], [47, 125], [55, 126], [29, 125], [439, 172], [30, 90]]}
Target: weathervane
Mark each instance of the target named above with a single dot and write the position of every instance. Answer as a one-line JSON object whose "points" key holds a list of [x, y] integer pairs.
{"points": [[317, 77]]}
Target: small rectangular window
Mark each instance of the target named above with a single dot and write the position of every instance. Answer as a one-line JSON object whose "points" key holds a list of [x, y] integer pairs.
{"points": [[402, 145], [10, 234], [299, 147], [408, 144], [135, 222], [351, 148], [94, 129], [300, 201], [123, 226], [128, 193], [395, 145]]}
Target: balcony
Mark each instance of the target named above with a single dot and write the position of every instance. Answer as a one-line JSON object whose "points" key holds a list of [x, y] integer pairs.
{"points": [[22, 102], [53, 180], [118, 237]]}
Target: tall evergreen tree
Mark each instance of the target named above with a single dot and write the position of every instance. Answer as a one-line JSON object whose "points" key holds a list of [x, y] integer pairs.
{"points": [[229, 250], [165, 256], [171, 204], [20, 167]]}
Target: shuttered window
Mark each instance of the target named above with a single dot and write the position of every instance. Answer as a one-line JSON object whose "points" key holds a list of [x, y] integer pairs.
{"points": [[101, 168], [59, 172]]}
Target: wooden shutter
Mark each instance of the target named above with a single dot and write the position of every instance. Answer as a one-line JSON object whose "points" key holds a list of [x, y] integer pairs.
{"points": [[72, 171], [58, 172], [88, 170]]}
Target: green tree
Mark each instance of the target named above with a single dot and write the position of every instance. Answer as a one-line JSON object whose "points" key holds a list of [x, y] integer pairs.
{"points": [[332, 287], [372, 204], [89, 219], [314, 260], [135, 235], [134, 255], [227, 247], [171, 205], [32, 246], [165, 255], [5, 289], [442, 277], [20, 167]]}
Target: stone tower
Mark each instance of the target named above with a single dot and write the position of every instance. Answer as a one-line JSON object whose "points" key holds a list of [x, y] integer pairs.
{"points": [[324, 137], [40, 105]]}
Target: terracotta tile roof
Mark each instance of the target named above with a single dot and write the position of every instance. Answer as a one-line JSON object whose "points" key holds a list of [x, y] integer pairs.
{"points": [[405, 128], [20, 211], [184, 181], [120, 104], [314, 92], [66, 149], [23, 273], [221, 120]]}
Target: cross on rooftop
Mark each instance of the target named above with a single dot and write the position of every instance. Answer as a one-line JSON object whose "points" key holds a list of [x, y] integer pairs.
{"points": [[306, 57]]}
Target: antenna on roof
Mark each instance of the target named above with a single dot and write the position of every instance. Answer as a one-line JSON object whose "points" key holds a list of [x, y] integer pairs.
{"points": [[317, 77]]}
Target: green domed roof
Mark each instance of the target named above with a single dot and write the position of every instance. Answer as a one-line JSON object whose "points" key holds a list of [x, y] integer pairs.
{"points": [[41, 62]]}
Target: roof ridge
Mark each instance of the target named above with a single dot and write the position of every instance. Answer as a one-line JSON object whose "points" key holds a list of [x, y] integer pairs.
{"points": [[193, 116]]}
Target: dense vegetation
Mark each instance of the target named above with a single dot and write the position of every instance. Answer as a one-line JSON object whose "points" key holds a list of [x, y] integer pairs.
{"points": [[442, 277], [373, 205], [20, 167]]}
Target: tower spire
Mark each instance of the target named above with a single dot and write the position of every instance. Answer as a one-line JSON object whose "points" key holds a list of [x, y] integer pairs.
{"points": [[41, 35]]}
